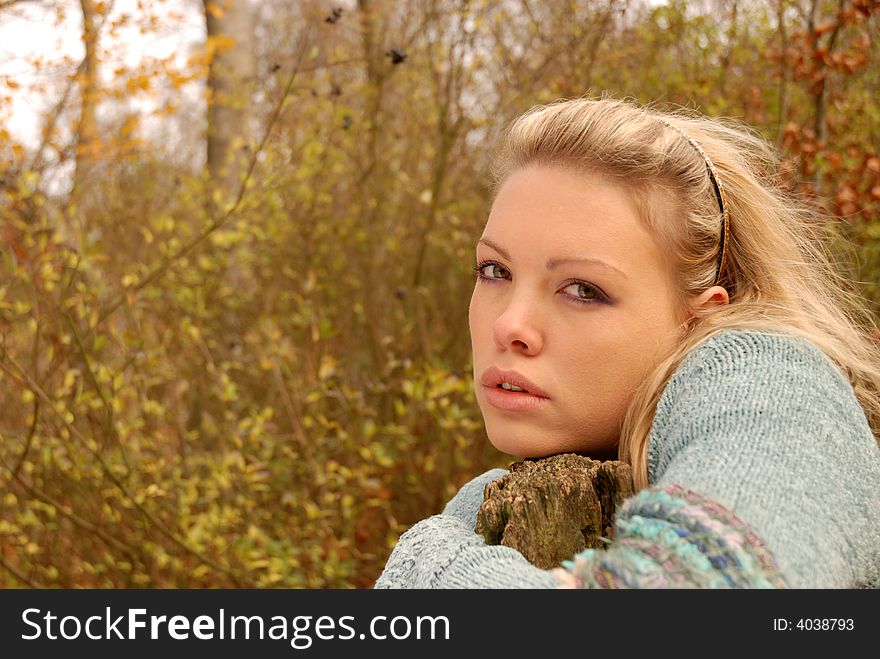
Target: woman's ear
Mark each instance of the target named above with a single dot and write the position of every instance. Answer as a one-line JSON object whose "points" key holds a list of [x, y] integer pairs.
{"points": [[715, 296]]}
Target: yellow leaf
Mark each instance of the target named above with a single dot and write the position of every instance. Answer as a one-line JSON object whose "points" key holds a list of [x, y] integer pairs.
{"points": [[138, 83], [327, 368], [129, 126], [69, 378], [140, 579], [215, 10], [217, 43]]}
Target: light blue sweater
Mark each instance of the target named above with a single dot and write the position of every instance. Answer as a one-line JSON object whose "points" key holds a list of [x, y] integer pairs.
{"points": [[763, 472]]}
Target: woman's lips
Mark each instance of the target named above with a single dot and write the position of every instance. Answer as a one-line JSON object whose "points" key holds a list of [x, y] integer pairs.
{"points": [[512, 401], [493, 376]]}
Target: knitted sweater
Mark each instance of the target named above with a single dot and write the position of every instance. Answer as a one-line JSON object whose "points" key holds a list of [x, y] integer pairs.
{"points": [[763, 472]]}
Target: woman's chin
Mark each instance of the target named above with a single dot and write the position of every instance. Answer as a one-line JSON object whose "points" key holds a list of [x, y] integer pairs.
{"points": [[535, 446], [522, 448]]}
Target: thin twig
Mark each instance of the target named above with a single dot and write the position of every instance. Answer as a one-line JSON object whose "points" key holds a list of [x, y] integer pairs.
{"points": [[6, 4], [27, 443], [14, 571], [109, 429], [295, 424]]}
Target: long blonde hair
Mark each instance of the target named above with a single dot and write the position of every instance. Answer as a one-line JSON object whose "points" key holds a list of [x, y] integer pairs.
{"points": [[779, 273]]}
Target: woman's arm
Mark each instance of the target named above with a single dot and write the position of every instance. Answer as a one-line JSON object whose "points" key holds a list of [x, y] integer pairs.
{"points": [[665, 538], [764, 474]]}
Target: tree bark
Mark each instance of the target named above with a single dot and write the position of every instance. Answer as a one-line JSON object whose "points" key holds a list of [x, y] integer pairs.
{"points": [[783, 72], [87, 130], [552, 508], [230, 30]]}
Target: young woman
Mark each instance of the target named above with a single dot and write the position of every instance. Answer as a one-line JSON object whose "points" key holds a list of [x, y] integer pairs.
{"points": [[645, 292]]}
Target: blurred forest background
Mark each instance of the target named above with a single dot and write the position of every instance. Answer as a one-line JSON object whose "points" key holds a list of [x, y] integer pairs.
{"points": [[235, 277]]}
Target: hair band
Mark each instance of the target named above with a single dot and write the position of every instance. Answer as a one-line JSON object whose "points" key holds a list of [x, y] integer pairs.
{"points": [[719, 194]]}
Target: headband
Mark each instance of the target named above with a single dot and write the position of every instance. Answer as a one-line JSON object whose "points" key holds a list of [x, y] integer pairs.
{"points": [[719, 194]]}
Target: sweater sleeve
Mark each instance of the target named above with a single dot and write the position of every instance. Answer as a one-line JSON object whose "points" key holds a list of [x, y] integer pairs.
{"points": [[665, 538], [443, 551], [466, 503], [765, 425]]}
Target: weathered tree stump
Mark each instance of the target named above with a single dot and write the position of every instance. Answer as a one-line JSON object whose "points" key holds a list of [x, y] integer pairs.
{"points": [[551, 508]]}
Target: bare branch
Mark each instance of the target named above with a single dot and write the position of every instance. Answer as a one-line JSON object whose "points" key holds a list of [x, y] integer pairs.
{"points": [[14, 571], [6, 4]]}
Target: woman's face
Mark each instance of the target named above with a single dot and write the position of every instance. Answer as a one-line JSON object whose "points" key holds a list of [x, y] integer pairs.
{"points": [[574, 296]]}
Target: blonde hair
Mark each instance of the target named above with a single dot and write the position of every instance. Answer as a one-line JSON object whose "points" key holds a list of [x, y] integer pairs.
{"points": [[778, 272]]}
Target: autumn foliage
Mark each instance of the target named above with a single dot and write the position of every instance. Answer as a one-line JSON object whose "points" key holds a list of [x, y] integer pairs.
{"points": [[260, 376]]}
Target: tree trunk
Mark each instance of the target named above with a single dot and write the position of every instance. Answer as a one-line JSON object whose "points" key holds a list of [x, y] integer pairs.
{"points": [[231, 80], [783, 72], [550, 509], [372, 267], [230, 30], [87, 130]]}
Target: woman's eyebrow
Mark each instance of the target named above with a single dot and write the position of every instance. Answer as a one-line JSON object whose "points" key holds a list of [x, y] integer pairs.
{"points": [[554, 263]]}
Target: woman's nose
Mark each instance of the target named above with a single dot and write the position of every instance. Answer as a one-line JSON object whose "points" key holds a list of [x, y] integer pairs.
{"points": [[515, 329]]}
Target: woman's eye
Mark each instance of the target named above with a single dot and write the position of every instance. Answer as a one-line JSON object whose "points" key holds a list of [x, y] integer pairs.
{"points": [[583, 292], [491, 271]]}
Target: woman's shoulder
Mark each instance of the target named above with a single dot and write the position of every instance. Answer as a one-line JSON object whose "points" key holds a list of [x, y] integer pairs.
{"points": [[764, 423], [742, 381], [744, 361], [741, 349]]}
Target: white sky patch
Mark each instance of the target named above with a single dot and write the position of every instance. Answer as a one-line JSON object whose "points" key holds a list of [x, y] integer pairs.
{"points": [[30, 32]]}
